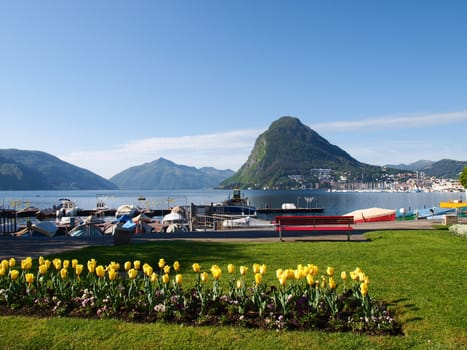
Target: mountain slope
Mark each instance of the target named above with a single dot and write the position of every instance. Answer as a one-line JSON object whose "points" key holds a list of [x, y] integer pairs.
{"points": [[445, 168], [35, 170], [163, 174], [290, 148]]}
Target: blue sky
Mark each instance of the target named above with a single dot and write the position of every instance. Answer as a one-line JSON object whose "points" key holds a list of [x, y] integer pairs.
{"points": [[106, 85]]}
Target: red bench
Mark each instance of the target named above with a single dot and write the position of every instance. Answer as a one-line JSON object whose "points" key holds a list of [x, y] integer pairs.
{"points": [[314, 223]]}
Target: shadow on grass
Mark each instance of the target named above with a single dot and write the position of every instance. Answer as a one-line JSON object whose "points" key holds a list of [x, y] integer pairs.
{"points": [[403, 307]]}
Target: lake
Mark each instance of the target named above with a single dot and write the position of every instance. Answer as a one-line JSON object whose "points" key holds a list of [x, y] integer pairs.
{"points": [[334, 203]]}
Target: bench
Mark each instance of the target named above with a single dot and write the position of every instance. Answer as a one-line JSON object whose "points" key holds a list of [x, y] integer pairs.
{"points": [[314, 223]]}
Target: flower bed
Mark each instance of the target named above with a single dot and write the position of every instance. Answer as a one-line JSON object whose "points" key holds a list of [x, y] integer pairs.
{"points": [[303, 298]]}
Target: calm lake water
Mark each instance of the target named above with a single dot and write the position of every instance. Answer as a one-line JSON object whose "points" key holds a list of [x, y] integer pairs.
{"points": [[334, 203]]}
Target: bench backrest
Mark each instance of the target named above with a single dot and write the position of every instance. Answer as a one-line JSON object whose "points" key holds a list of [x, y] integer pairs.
{"points": [[314, 220]]}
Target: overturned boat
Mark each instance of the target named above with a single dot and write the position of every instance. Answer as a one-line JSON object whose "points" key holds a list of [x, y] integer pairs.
{"points": [[372, 215]]}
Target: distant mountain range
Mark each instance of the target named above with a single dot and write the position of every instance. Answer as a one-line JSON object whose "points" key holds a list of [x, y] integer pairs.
{"points": [[162, 174], [445, 168], [35, 170], [286, 149]]}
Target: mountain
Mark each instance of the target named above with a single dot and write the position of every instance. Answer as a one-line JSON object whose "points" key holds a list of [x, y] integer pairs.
{"points": [[289, 148], [445, 168], [163, 174], [35, 170]]}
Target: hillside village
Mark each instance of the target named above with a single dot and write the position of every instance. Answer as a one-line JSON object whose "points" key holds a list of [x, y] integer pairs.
{"points": [[406, 181]]}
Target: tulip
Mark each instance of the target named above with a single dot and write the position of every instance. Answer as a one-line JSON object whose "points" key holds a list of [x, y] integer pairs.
{"points": [[330, 271], [100, 271], [255, 268], [66, 264], [364, 289], [43, 269], [262, 269], [132, 273], [343, 275], [78, 269], [167, 269], [178, 278], [196, 267], [332, 283], [5, 264], [12, 262], [41, 260], [353, 275], [127, 265], [243, 270], [283, 279], [74, 262], [161, 263], [279, 273], [63, 273], [26, 264], [216, 272], [113, 274], [230, 268], [239, 284], [29, 277], [204, 277], [14, 274], [176, 266], [309, 279], [137, 264], [258, 278], [165, 278], [91, 266], [154, 277], [57, 263], [2, 271], [148, 270]]}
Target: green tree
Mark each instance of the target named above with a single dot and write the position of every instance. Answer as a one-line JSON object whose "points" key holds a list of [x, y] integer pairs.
{"points": [[463, 177]]}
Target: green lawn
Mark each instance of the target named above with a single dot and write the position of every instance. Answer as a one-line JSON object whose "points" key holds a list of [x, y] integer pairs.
{"points": [[422, 274]]}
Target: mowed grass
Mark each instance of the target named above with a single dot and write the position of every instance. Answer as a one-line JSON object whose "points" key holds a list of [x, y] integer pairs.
{"points": [[421, 274]]}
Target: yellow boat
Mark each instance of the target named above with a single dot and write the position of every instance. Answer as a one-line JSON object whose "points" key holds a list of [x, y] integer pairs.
{"points": [[453, 204]]}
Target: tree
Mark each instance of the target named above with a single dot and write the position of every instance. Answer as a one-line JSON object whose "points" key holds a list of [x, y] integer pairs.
{"points": [[463, 180]]}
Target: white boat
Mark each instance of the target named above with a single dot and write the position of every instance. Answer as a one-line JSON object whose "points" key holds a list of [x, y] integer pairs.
{"points": [[245, 222], [175, 221], [372, 215], [126, 209]]}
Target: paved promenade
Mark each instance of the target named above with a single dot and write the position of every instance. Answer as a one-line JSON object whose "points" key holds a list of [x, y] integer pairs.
{"points": [[20, 247]]}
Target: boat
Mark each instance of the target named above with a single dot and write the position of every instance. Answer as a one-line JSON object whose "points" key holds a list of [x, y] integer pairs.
{"points": [[372, 215], [234, 205], [434, 213], [126, 210], [453, 204], [175, 221], [67, 207], [247, 222]]}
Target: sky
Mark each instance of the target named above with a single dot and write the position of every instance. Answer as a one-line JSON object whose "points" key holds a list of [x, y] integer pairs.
{"points": [[110, 84]]}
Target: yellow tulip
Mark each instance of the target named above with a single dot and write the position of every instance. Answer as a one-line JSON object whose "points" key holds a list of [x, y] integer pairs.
{"points": [[255, 268], [113, 265], [204, 277], [167, 269], [239, 284], [279, 273], [332, 283], [79, 269], [127, 265], [344, 275], [14, 274], [243, 270], [113, 274], [100, 271], [2, 271], [66, 264], [132, 273], [230, 268], [364, 289], [137, 264], [309, 279], [330, 271], [216, 272], [43, 269], [5, 264], [262, 269], [29, 277], [41, 260], [91, 266], [283, 279], [297, 274], [353, 275], [161, 263], [74, 262], [57, 263], [26, 264], [148, 270], [178, 278], [176, 266], [63, 273], [258, 278], [290, 274], [12, 262], [196, 267], [165, 278], [154, 277]]}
